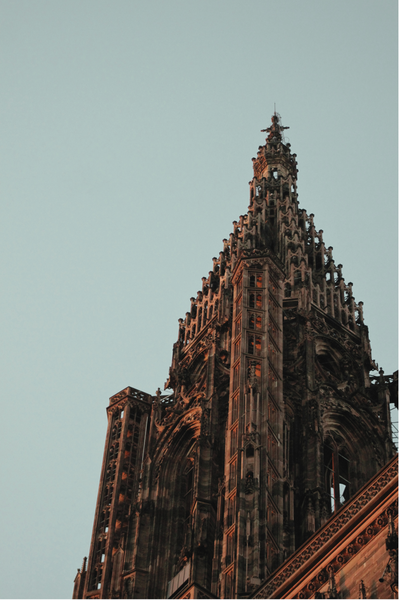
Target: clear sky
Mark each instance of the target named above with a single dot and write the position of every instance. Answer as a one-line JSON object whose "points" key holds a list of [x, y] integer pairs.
{"points": [[127, 132]]}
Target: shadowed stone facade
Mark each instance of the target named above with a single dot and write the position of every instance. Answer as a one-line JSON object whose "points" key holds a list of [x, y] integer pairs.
{"points": [[271, 421]]}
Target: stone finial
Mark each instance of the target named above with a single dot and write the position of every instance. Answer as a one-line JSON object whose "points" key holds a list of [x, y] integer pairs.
{"points": [[339, 271], [359, 308]]}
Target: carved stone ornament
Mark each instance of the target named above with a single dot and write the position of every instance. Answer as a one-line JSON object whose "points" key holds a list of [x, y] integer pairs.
{"points": [[259, 165], [189, 418], [352, 508]]}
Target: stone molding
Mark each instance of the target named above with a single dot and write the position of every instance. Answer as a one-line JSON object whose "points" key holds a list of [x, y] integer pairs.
{"points": [[336, 523]]}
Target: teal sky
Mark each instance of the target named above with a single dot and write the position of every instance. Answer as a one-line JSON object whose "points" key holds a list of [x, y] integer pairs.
{"points": [[127, 132]]}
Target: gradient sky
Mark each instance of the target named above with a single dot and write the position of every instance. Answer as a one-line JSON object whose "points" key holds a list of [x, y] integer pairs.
{"points": [[127, 132]]}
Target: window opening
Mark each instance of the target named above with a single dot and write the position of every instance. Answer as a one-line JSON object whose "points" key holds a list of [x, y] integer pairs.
{"points": [[236, 376], [249, 451], [235, 408], [232, 475], [229, 549], [231, 510], [337, 480], [236, 350], [234, 441], [250, 346], [229, 584], [238, 326]]}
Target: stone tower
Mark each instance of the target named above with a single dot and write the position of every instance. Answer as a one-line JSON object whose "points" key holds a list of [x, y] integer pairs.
{"points": [[270, 424]]}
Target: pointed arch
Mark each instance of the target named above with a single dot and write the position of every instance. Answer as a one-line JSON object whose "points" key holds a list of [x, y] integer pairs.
{"points": [[172, 527]]}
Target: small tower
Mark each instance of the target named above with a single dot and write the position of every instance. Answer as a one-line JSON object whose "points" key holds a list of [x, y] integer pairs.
{"points": [[270, 421], [128, 416]]}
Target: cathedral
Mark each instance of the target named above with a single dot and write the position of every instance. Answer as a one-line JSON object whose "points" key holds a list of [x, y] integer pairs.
{"points": [[267, 469]]}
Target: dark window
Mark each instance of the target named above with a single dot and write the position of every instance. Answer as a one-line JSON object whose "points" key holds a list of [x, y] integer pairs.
{"points": [[250, 348], [337, 484], [249, 451]]}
